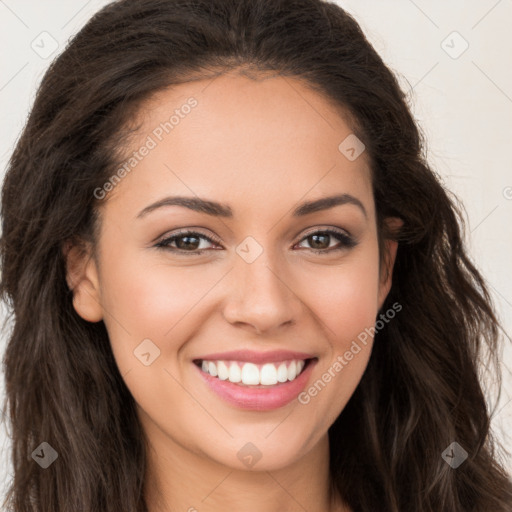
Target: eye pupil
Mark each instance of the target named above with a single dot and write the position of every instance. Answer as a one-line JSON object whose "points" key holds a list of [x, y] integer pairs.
{"points": [[187, 244], [315, 238]]}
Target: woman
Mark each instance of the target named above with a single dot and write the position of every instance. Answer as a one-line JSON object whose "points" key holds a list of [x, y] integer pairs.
{"points": [[236, 283]]}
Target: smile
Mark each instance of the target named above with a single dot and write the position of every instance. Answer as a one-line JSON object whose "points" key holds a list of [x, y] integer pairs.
{"points": [[250, 374], [285, 381]]}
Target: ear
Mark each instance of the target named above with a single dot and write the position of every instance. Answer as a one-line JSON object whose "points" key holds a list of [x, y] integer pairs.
{"points": [[392, 226], [82, 279]]}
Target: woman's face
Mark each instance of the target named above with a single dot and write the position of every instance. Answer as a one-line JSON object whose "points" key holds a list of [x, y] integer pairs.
{"points": [[247, 278]]}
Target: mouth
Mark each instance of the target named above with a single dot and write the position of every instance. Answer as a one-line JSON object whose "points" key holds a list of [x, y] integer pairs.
{"points": [[255, 387], [253, 375]]}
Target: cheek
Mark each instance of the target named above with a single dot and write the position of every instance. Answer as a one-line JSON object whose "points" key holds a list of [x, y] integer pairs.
{"points": [[159, 303], [150, 301], [345, 301], [345, 297]]}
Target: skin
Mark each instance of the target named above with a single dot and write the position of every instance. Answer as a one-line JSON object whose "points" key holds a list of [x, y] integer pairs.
{"points": [[262, 146]]}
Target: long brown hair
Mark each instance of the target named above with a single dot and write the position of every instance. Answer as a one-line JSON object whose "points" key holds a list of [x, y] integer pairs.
{"points": [[421, 390]]}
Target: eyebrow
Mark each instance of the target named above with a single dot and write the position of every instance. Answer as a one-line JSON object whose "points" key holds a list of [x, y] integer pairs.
{"points": [[223, 210]]}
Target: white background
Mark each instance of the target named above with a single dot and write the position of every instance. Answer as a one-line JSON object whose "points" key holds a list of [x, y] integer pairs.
{"points": [[463, 105]]}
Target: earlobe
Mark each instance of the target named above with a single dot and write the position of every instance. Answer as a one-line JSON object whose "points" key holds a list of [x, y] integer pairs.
{"points": [[82, 280]]}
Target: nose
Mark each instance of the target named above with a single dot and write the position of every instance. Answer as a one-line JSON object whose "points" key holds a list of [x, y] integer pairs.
{"points": [[261, 297]]}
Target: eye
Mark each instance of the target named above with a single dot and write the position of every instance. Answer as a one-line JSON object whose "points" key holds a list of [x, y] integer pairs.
{"points": [[186, 242], [320, 241], [189, 242]]}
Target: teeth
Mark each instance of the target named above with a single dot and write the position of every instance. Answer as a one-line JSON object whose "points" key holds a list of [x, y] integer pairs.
{"points": [[282, 373], [235, 374], [268, 375], [292, 370], [250, 374], [222, 370], [212, 369]]}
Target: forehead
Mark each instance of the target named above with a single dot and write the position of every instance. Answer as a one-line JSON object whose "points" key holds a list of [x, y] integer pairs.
{"points": [[270, 140]]}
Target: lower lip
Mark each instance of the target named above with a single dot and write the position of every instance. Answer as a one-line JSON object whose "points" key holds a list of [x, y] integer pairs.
{"points": [[259, 399]]}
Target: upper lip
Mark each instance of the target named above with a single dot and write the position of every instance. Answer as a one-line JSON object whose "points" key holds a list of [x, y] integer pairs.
{"points": [[256, 357]]}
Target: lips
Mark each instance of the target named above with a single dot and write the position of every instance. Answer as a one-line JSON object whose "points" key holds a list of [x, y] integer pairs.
{"points": [[248, 391]]}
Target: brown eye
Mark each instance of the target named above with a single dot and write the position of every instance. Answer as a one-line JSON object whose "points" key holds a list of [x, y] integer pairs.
{"points": [[185, 242], [320, 241]]}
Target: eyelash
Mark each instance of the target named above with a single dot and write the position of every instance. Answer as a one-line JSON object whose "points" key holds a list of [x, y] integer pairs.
{"points": [[347, 242]]}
